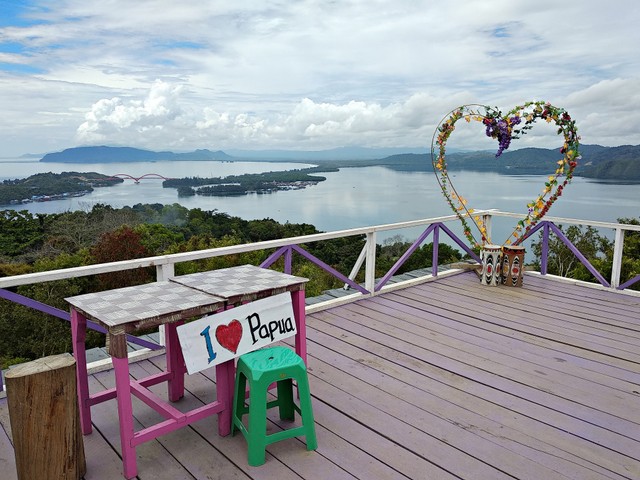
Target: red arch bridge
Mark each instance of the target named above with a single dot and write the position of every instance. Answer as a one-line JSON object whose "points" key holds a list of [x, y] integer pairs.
{"points": [[137, 179]]}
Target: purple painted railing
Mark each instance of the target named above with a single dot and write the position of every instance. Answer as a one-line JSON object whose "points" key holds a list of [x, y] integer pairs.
{"points": [[287, 252], [287, 247], [544, 256], [435, 229]]}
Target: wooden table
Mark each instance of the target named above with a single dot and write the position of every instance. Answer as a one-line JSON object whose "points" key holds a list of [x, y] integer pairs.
{"points": [[170, 303]]}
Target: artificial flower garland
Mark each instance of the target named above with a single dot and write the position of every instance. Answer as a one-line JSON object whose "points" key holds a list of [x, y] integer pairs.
{"points": [[505, 128]]}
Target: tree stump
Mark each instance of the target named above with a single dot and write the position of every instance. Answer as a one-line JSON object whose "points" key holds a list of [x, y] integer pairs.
{"points": [[43, 410]]}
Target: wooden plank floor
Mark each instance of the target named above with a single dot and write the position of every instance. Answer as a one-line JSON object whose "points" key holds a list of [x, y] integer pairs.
{"points": [[443, 380]]}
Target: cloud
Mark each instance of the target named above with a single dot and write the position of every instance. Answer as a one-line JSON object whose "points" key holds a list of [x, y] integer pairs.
{"points": [[165, 118], [115, 118], [307, 74]]}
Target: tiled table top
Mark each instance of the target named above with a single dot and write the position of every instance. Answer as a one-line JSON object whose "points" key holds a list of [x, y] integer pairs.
{"points": [[243, 283], [145, 305], [141, 306]]}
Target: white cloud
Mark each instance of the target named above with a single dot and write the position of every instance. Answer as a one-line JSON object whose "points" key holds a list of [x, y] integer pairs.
{"points": [[310, 74], [115, 118]]}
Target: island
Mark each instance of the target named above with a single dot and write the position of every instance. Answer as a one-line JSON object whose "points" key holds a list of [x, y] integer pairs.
{"points": [[621, 163], [44, 187], [259, 183]]}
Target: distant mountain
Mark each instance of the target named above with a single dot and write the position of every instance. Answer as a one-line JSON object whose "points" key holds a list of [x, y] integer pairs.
{"points": [[105, 154], [605, 163], [614, 163], [342, 153]]}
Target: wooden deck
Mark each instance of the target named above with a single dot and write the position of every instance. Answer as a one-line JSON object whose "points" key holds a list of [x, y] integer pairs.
{"points": [[443, 380]]}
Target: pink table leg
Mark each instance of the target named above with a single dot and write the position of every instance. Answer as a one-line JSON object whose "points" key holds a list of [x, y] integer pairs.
{"points": [[175, 362], [225, 382], [297, 299], [78, 334], [125, 415]]}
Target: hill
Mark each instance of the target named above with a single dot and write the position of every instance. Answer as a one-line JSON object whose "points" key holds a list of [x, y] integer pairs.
{"points": [[104, 154], [44, 187], [605, 163]]}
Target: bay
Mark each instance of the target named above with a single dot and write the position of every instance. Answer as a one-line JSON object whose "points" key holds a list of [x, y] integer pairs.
{"points": [[350, 198]]}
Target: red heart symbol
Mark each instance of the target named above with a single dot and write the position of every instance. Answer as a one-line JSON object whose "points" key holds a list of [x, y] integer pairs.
{"points": [[229, 336], [504, 128]]}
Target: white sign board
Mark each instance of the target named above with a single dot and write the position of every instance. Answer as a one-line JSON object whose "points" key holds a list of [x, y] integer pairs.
{"points": [[220, 337]]}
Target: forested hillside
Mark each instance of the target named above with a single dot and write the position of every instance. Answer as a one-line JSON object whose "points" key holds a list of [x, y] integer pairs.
{"points": [[605, 163], [32, 243], [50, 186]]}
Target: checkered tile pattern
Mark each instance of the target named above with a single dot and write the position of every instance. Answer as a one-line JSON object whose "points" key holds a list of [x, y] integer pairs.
{"points": [[242, 283], [152, 303]]}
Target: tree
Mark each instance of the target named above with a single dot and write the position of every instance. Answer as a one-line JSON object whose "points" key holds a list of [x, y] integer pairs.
{"points": [[561, 261], [157, 238], [394, 247], [630, 253], [20, 232], [121, 244]]}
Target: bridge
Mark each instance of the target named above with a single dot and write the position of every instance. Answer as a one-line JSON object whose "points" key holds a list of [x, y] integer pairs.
{"points": [[137, 179]]}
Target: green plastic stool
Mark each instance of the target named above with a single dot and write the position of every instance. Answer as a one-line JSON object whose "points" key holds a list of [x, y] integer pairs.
{"points": [[262, 368]]}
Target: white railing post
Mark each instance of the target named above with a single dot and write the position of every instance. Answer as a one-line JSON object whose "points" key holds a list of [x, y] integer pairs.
{"points": [[370, 265], [163, 273], [357, 266], [617, 258], [486, 219]]}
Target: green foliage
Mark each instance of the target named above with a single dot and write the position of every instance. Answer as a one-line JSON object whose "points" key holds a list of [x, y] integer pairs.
{"points": [[561, 260], [243, 184], [596, 248], [184, 191], [393, 249], [104, 234], [630, 254], [26, 333], [20, 232], [52, 184], [158, 239], [121, 244]]}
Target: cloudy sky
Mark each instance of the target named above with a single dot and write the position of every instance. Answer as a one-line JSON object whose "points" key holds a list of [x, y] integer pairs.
{"points": [[306, 74]]}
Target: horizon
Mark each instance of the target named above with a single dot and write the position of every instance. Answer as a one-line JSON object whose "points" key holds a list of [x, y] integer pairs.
{"points": [[405, 150], [306, 75]]}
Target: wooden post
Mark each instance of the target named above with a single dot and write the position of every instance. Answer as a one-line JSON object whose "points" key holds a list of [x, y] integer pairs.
{"points": [[43, 410]]}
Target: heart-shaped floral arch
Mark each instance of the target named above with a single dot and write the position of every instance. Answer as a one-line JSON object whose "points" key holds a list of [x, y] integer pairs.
{"points": [[504, 128]]}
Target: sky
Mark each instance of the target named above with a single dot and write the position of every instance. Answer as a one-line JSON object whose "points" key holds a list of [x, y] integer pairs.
{"points": [[308, 74]]}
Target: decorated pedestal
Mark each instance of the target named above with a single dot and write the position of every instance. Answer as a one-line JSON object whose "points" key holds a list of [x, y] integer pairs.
{"points": [[504, 128], [491, 256], [512, 265]]}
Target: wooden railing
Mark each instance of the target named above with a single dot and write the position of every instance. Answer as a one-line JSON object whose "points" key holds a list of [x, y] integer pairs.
{"points": [[288, 247]]}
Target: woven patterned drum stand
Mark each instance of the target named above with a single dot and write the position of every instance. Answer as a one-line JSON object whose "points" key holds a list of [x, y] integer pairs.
{"points": [[512, 265], [491, 256]]}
